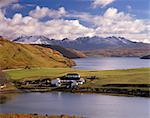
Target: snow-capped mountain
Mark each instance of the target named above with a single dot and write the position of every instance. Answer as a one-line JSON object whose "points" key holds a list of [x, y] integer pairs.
{"points": [[32, 40], [84, 43]]}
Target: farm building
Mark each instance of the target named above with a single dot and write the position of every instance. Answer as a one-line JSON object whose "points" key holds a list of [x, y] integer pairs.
{"points": [[70, 79]]}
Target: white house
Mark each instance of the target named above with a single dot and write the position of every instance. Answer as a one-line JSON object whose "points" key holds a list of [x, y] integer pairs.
{"points": [[72, 79]]}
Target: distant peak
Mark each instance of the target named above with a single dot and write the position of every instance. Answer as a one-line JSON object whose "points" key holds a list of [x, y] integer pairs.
{"points": [[65, 39]]}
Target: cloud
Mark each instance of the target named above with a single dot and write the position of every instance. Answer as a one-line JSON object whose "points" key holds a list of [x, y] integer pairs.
{"points": [[101, 3], [40, 12], [4, 3], [116, 23], [56, 28], [111, 22]]}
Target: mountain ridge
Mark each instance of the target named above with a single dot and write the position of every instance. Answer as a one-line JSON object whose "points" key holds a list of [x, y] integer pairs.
{"points": [[94, 46], [82, 43]]}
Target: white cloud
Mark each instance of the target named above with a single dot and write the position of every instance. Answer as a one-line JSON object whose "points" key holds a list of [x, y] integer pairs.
{"points": [[60, 29], [112, 22], [116, 23], [56, 28], [101, 3], [4, 3], [44, 11]]}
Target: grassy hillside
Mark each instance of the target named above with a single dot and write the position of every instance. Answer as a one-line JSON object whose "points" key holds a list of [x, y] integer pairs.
{"points": [[14, 55], [67, 52], [129, 76]]}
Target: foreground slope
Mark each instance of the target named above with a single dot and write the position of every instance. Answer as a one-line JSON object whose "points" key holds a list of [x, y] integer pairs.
{"points": [[14, 55]]}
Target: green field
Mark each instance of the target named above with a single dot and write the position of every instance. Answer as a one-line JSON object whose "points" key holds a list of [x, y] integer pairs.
{"points": [[129, 76]]}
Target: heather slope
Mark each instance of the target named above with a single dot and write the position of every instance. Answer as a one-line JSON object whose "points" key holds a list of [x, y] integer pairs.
{"points": [[13, 55]]}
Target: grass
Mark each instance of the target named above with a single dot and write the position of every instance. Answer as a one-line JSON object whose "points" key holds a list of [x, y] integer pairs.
{"points": [[128, 76], [13, 55], [36, 72]]}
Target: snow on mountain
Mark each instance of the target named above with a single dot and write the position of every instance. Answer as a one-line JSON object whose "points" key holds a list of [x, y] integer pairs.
{"points": [[82, 43], [32, 40]]}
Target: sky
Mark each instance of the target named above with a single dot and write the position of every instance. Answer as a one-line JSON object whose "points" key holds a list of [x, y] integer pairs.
{"points": [[71, 19]]}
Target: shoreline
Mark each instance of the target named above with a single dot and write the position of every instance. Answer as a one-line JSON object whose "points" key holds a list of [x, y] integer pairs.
{"points": [[35, 115], [102, 91]]}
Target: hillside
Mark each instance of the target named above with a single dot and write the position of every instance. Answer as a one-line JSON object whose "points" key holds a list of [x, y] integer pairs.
{"points": [[13, 55], [118, 52], [66, 52]]}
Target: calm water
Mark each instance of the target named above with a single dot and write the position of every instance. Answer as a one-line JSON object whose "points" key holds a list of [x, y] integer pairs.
{"points": [[89, 105], [110, 63]]}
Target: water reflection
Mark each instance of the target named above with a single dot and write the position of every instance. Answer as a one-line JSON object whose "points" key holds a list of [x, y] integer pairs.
{"points": [[4, 98], [89, 105]]}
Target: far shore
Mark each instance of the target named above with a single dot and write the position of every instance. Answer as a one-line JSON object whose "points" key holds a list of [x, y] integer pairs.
{"points": [[37, 116]]}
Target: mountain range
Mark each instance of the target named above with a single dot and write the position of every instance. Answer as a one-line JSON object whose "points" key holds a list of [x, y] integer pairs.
{"points": [[115, 46], [83, 43]]}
